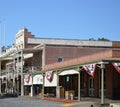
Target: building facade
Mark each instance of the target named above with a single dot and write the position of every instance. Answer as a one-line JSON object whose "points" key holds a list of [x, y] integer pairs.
{"points": [[55, 67]]}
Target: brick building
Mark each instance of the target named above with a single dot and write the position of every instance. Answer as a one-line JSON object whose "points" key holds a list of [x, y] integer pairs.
{"points": [[66, 58]]}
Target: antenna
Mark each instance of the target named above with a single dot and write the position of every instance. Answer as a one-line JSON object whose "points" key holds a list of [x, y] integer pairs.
{"points": [[4, 34]]}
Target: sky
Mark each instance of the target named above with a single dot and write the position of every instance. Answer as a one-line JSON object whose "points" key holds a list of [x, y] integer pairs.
{"points": [[69, 19]]}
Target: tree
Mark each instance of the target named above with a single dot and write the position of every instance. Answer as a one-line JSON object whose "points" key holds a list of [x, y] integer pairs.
{"points": [[99, 39], [103, 39]]}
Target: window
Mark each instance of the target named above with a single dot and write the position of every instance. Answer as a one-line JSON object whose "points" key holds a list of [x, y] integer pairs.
{"points": [[60, 59]]}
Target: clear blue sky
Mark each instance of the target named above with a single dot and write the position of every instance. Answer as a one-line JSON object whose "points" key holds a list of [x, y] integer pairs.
{"points": [[71, 19]]}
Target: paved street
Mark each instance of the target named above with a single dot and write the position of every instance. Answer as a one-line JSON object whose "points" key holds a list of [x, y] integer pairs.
{"points": [[30, 102], [37, 102], [24, 102]]}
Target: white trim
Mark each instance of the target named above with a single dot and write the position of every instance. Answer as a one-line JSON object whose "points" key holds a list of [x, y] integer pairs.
{"points": [[76, 42], [68, 72]]}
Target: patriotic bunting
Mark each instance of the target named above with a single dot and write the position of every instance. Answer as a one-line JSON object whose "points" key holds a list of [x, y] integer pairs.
{"points": [[116, 66], [27, 78], [49, 75], [90, 69]]}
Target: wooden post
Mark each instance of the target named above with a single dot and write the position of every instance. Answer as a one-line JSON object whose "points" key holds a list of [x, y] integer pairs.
{"points": [[43, 84], [58, 87], [102, 83], [79, 96]]}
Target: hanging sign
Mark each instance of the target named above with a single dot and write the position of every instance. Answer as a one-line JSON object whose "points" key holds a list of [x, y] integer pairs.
{"points": [[67, 78], [116, 66], [49, 75], [90, 69]]}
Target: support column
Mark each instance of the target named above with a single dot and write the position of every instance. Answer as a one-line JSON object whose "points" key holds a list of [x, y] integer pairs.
{"points": [[58, 87], [14, 75], [32, 82], [0, 86], [6, 89], [79, 96], [43, 56], [13, 82], [0, 79], [102, 83], [22, 77], [43, 85], [17, 70]]}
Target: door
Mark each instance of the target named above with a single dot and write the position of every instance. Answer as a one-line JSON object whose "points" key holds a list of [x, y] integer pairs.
{"points": [[91, 86]]}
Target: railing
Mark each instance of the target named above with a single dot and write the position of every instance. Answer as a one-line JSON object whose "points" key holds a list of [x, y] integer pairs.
{"points": [[7, 52]]}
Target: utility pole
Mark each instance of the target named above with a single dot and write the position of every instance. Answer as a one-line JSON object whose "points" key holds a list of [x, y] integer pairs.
{"points": [[22, 77]]}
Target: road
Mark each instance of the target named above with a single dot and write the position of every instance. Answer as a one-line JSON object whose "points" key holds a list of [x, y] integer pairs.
{"points": [[30, 102], [26, 102], [16, 102]]}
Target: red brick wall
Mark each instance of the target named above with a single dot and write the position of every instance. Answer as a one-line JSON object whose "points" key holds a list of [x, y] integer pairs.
{"points": [[116, 53], [28, 35], [109, 80], [68, 52], [37, 60], [96, 82], [116, 44], [116, 84]]}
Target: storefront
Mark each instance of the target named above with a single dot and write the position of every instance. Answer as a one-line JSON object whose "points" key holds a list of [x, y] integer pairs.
{"points": [[50, 84], [68, 82], [96, 75], [33, 85]]}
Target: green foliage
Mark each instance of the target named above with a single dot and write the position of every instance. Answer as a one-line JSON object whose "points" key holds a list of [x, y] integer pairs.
{"points": [[99, 39], [103, 39]]}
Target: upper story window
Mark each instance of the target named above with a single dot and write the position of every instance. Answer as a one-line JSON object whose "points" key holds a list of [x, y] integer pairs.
{"points": [[60, 59]]}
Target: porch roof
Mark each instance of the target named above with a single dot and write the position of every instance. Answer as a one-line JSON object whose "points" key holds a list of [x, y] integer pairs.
{"points": [[107, 55]]}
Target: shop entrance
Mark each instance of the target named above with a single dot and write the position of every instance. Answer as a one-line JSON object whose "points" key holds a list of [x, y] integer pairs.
{"points": [[69, 86]]}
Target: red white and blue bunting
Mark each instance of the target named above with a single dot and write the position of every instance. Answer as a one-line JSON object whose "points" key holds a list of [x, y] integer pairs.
{"points": [[27, 78], [116, 66], [49, 75], [90, 68]]}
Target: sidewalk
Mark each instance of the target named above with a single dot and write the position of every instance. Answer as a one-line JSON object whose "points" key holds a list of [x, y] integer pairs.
{"points": [[85, 102]]}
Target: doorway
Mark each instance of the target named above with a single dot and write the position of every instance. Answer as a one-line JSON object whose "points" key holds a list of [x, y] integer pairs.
{"points": [[91, 86]]}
